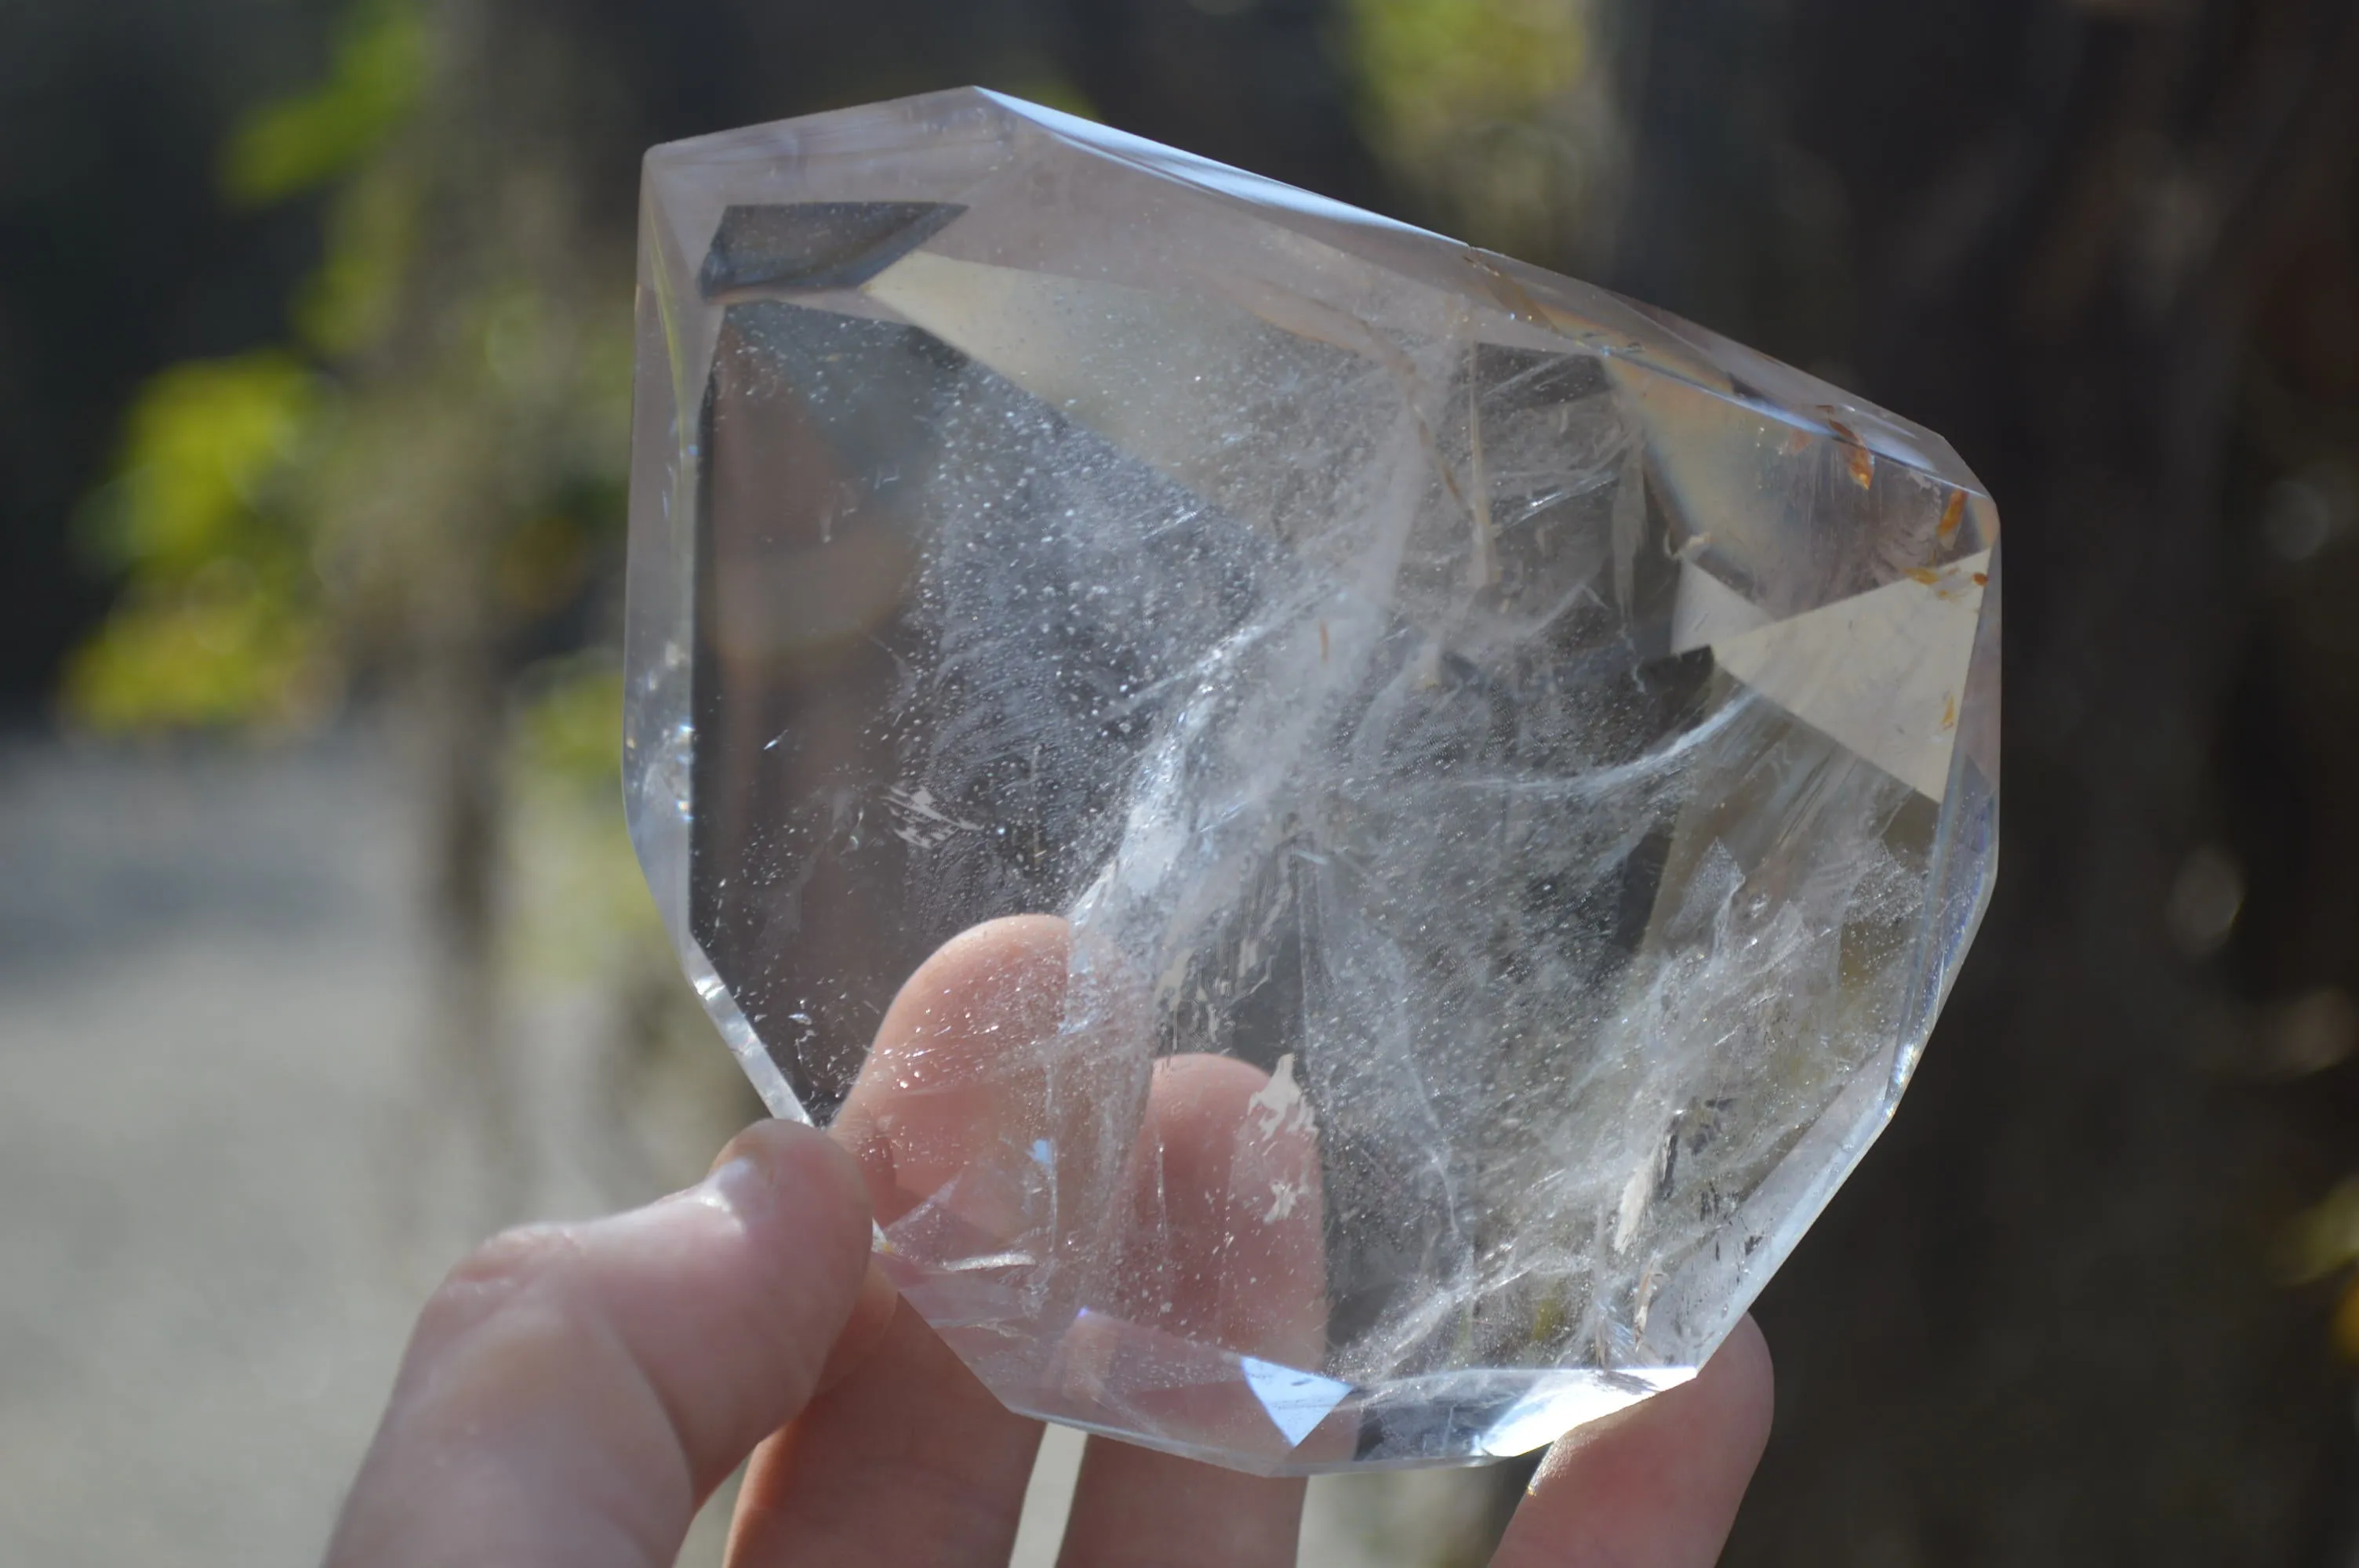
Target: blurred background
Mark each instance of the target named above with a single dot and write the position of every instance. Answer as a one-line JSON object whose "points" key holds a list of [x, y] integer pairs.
{"points": [[322, 952]]}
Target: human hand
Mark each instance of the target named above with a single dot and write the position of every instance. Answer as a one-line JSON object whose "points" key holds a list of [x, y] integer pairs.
{"points": [[573, 1393]]}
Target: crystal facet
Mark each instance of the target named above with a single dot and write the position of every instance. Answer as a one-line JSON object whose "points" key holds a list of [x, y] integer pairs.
{"points": [[1356, 835]]}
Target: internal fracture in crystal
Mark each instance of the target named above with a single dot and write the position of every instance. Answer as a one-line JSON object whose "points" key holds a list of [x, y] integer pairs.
{"points": [[1355, 835]]}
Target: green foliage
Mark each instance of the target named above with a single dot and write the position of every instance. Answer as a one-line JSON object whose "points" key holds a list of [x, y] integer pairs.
{"points": [[2321, 1242], [301, 142], [224, 620], [285, 512], [580, 907], [222, 649], [571, 713], [1431, 68], [348, 305], [1492, 111], [221, 621], [201, 445]]}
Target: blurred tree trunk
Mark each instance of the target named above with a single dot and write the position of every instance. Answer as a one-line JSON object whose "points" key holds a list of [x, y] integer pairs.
{"points": [[463, 413], [2040, 1325], [449, 658]]}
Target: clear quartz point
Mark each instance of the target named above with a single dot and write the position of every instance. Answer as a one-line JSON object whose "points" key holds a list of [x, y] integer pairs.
{"points": [[1355, 835]]}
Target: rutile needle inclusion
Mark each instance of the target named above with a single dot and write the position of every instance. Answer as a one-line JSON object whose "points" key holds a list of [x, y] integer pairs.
{"points": [[1356, 835]]}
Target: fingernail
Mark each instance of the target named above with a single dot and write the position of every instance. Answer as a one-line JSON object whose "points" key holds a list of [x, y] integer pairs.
{"points": [[737, 1185]]}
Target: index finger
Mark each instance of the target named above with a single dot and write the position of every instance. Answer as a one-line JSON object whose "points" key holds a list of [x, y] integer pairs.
{"points": [[1655, 1486], [572, 1392]]}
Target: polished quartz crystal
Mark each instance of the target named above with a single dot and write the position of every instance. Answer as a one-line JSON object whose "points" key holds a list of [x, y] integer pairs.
{"points": [[1355, 835]]}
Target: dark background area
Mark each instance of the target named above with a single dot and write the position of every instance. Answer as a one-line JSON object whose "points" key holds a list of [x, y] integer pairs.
{"points": [[2080, 1305]]}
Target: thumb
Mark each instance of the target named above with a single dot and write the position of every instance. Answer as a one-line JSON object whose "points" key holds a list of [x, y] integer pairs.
{"points": [[571, 1393]]}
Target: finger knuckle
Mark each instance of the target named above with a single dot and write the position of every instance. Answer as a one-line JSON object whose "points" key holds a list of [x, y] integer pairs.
{"points": [[530, 1262]]}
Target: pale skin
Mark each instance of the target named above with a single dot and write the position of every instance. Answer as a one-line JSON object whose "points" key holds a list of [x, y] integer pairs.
{"points": [[571, 1394]]}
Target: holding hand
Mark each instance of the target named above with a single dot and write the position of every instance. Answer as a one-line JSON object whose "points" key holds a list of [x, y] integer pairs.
{"points": [[572, 1394]]}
